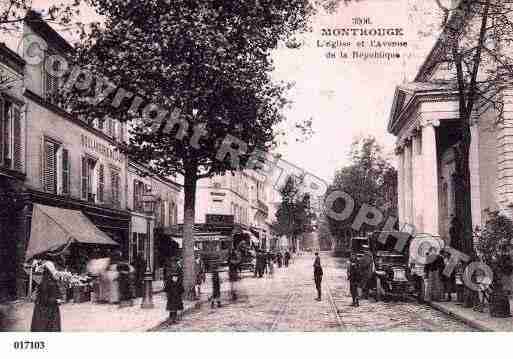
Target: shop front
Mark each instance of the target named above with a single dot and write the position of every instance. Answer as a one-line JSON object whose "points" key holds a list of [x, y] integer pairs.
{"points": [[11, 215], [112, 225]]}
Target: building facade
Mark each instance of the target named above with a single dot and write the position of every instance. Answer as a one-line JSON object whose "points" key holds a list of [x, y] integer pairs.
{"points": [[425, 119], [145, 226], [12, 166], [51, 158], [244, 194]]}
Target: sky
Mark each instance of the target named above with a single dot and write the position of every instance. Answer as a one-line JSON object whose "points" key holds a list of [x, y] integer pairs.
{"points": [[348, 99], [345, 98]]}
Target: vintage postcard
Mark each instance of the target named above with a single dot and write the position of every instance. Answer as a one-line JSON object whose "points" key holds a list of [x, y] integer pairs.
{"points": [[255, 166]]}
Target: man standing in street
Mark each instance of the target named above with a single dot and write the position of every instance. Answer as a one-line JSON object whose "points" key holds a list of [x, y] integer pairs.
{"points": [[354, 279], [233, 272], [317, 275], [287, 258]]}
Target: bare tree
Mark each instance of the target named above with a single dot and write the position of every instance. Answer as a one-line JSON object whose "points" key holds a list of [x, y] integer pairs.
{"points": [[14, 12]]}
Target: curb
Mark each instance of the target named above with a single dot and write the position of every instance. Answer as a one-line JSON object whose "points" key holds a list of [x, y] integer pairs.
{"points": [[196, 305], [470, 322]]}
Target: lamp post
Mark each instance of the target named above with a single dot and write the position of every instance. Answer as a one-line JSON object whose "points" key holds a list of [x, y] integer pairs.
{"points": [[148, 201]]}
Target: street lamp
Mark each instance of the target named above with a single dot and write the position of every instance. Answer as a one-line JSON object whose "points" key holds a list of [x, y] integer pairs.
{"points": [[148, 201]]}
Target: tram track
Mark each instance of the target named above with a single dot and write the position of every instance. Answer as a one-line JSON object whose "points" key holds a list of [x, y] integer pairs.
{"points": [[283, 309], [298, 293], [334, 307]]}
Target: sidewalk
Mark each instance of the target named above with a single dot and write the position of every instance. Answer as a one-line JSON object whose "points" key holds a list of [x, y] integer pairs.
{"points": [[477, 320], [95, 317]]}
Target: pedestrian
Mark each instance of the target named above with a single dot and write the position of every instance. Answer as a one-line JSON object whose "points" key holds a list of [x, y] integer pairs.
{"points": [[354, 279], [366, 274], [255, 269], [260, 264], [216, 287], [174, 290], [125, 293], [47, 316], [458, 281], [318, 275], [286, 258], [233, 272], [270, 265], [140, 268], [448, 282], [455, 232], [433, 268], [279, 258], [199, 270]]}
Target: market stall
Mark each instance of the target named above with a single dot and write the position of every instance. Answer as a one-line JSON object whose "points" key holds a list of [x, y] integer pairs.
{"points": [[54, 228]]}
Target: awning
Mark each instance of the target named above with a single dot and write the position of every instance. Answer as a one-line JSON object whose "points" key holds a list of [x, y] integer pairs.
{"points": [[54, 227]]}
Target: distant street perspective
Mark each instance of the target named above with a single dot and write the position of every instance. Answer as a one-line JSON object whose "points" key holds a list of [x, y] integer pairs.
{"points": [[256, 165], [286, 302]]}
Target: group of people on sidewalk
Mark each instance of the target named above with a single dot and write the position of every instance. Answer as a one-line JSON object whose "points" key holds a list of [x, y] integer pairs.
{"points": [[265, 262], [117, 282], [46, 315]]}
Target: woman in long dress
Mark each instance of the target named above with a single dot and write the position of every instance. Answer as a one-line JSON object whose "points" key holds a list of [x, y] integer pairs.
{"points": [[47, 316], [433, 268]]}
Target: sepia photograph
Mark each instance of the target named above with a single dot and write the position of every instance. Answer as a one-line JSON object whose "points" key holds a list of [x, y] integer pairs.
{"points": [[287, 166]]}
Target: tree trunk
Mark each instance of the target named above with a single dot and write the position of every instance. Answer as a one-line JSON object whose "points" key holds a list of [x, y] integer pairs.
{"points": [[190, 180], [463, 193]]}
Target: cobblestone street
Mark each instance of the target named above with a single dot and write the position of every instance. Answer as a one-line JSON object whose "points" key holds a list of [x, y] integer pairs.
{"points": [[287, 303]]}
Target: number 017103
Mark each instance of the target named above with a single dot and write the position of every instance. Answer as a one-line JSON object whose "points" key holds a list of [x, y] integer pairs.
{"points": [[29, 345]]}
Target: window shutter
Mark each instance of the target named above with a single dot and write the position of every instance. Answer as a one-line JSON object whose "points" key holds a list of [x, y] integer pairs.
{"points": [[2, 132], [119, 134], [49, 172], [115, 188], [110, 127], [17, 142], [85, 183], [65, 171], [136, 195], [163, 213], [6, 132], [101, 182]]}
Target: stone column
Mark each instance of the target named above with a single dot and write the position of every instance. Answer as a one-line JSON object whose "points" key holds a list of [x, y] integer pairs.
{"points": [[400, 185], [408, 193], [430, 179], [417, 174], [475, 188]]}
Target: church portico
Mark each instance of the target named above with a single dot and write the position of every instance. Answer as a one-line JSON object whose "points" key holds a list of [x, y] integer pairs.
{"points": [[425, 122]]}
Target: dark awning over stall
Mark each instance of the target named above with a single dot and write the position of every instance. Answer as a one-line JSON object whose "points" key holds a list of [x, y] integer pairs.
{"points": [[54, 227]]}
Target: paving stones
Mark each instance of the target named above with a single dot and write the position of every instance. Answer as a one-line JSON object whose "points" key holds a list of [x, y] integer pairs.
{"points": [[287, 303]]}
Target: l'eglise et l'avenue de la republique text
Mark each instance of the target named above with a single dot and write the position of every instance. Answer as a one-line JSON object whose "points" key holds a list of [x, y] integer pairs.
{"points": [[365, 42]]}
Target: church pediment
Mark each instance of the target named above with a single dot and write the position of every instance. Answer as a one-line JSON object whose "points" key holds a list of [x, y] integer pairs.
{"points": [[408, 96]]}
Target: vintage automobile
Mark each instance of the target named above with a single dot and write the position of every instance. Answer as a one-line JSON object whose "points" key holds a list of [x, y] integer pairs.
{"points": [[390, 273]]}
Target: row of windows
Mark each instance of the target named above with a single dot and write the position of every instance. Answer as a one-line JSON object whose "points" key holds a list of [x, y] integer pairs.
{"points": [[239, 184], [51, 85], [11, 143], [57, 173], [163, 209], [240, 213]]}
